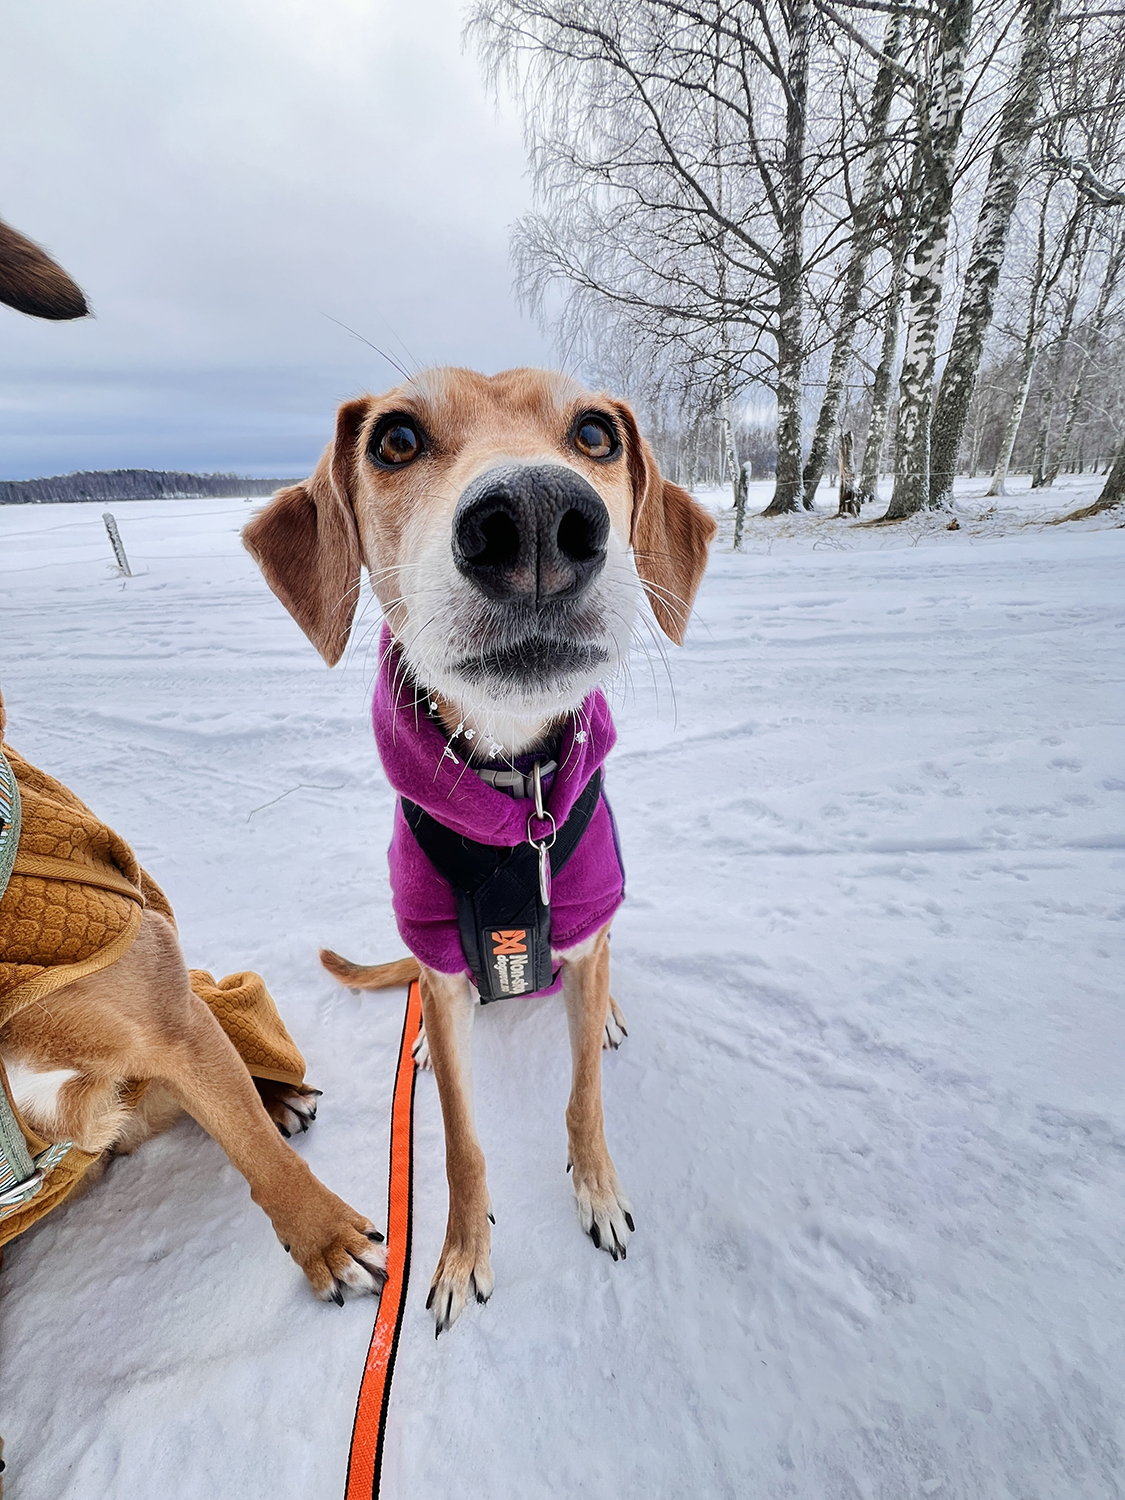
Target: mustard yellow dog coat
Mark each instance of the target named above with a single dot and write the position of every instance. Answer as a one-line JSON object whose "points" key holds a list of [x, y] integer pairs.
{"points": [[73, 906]]}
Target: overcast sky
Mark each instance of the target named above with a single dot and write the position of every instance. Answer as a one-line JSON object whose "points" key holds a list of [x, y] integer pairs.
{"points": [[218, 176]]}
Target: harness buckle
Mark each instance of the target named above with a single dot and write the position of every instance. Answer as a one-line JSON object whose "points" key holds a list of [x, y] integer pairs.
{"points": [[542, 845], [20, 1192]]}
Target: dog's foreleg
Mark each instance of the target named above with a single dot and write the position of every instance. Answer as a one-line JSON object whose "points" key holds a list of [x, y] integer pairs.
{"points": [[334, 1246], [604, 1211], [464, 1269]]}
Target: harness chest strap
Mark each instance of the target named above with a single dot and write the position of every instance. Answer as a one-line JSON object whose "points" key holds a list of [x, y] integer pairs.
{"points": [[9, 822], [503, 893], [21, 1174]]}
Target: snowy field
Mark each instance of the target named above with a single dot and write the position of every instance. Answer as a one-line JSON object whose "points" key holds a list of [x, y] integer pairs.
{"points": [[869, 1113]]}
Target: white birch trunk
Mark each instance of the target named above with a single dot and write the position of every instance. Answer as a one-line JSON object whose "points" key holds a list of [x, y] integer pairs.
{"points": [[881, 387], [863, 243], [848, 503], [1062, 343], [1005, 174], [734, 466], [939, 122], [1028, 355], [791, 276]]}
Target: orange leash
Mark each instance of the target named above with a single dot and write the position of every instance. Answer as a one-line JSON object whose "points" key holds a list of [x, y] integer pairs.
{"points": [[366, 1458]]}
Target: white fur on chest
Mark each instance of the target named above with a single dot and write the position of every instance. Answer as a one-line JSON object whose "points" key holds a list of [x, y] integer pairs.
{"points": [[35, 1092]]}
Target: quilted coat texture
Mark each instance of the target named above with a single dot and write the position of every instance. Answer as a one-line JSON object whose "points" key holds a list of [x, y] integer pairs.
{"points": [[73, 904]]}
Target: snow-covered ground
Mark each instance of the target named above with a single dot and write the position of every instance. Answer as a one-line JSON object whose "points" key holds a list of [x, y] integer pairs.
{"points": [[869, 1113]]}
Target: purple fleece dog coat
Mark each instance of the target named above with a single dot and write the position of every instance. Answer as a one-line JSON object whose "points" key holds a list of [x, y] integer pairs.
{"points": [[431, 771]]}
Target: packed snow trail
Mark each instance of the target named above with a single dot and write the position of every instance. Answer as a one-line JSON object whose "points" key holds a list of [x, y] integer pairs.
{"points": [[869, 1112]]}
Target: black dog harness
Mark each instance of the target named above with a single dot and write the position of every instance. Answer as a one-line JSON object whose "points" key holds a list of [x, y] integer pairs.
{"points": [[504, 894]]}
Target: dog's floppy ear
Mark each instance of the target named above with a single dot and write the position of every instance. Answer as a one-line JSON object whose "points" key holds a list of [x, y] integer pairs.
{"points": [[669, 533], [32, 283], [306, 543]]}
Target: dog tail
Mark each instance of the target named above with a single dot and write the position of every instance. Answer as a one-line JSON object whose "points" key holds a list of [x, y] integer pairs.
{"points": [[369, 976]]}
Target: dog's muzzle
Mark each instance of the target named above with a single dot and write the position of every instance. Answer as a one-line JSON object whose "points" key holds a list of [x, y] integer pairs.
{"points": [[530, 535]]}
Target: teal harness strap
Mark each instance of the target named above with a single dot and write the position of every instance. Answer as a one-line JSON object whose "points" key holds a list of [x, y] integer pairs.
{"points": [[9, 822], [21, 1175]]}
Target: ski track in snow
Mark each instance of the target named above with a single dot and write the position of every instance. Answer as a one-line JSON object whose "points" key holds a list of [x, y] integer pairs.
{"points": [[869, 1112]]}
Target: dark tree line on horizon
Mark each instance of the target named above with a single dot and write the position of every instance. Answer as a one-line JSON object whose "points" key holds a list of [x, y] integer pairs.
{"points": [[131, 484]]}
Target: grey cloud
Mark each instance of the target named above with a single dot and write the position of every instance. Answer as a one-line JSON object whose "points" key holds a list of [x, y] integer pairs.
{"points": [[220, 176]]}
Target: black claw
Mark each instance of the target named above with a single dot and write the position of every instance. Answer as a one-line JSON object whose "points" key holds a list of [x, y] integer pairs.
{"points": [[595, 1236], [285, 1247], [624, 1253], [373, 1234], [482, 1300], [304, 1124], [568, 1167], [337, 1296], [318, 1093], [624, 1030], [491, 1220], [430, 1298], [284, 1132], [629, 1221]]}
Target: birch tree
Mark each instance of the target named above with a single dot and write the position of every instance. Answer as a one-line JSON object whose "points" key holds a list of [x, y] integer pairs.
{"points": [[791, 349], [888, 351], [1059, 348], [867, 224], [940, 96], [1005, 175], [1053, 247]]}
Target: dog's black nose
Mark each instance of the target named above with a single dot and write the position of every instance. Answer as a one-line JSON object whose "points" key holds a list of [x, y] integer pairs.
{"points": [[530, 532]]}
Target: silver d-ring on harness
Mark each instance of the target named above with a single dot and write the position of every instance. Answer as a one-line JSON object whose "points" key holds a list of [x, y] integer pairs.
{"points": [[542, 845]]}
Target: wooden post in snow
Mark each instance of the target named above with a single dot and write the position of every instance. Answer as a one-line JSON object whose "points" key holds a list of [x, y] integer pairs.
{"points": [[117, 544]]}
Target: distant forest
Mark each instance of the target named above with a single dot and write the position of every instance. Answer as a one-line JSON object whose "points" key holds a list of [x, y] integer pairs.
{"points": [[131, 484]]}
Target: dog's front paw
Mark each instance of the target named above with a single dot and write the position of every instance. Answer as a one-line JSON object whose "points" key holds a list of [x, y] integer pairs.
{"points": [[291, 1106], [604, 1211], [462, 1272], [340, 1252]]}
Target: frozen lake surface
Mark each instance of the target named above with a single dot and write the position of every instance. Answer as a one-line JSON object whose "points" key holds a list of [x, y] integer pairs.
{"points": [[870, 1109]]}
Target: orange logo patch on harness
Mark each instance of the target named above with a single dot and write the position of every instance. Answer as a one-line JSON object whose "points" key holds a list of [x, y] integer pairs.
{"points": [[510, 942], [510, 960]]}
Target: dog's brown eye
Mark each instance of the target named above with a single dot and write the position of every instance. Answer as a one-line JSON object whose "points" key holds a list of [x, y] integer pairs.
{"points": [[594, 438], [398, 444]]}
